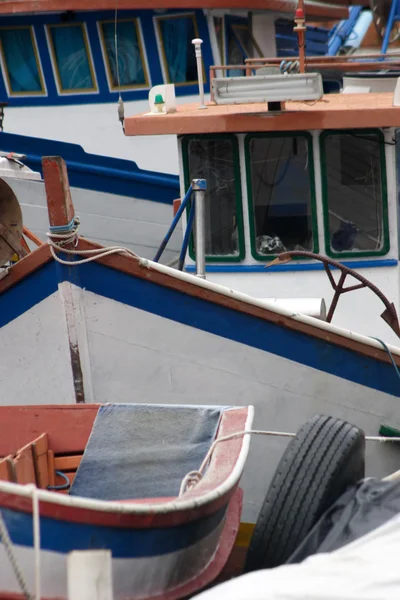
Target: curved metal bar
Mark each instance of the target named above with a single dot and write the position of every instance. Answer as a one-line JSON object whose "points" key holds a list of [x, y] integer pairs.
{"points": [[389, 315]]}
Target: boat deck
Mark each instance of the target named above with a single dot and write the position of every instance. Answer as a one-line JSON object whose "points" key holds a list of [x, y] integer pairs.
{"points": [[333, 111]]}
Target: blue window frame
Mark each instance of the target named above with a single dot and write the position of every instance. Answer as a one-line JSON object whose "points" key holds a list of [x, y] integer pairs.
{"points": [[132, 70], [20, 59], [71, 58]]}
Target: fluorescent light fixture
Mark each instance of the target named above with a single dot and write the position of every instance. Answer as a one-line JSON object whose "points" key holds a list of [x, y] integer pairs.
{"points": [[267, 88]]}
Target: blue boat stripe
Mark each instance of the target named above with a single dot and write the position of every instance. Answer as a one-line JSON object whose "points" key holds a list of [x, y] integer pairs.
{"points": [[65, 536], [293, 266]]}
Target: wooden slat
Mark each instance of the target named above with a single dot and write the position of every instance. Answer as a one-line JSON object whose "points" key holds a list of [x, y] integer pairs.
{"points": [[67, 463], [50, 459], [7, 471], [24, 467], [39, 452], [68, 427]]}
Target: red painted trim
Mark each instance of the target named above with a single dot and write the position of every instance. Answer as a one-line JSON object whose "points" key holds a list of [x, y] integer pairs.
{"points": [[59, 201], [131, 266], [221, 465], [313, 9]]}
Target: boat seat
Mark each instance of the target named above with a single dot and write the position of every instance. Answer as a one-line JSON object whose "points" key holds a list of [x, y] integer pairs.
{"points": [[143, 451]]}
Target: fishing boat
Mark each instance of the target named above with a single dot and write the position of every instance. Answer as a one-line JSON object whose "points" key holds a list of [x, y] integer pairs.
{"points": [[84, 57], [115, 477], [110, 326]]}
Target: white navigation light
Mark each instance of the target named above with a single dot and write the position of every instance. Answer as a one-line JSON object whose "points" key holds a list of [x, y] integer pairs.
{"points": [[267, 88]]}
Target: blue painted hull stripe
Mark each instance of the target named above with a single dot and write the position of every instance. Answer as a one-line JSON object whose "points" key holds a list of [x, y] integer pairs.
{"points": [[239, 327], [64, 536], [94, 172], [294, 266], [205, 316], [28, 292]]}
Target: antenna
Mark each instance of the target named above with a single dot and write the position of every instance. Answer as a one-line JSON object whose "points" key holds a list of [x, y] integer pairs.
{"points": [[197, 42], [300, 20]]}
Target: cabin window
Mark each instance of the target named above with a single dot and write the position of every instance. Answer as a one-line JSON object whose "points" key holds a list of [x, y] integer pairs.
{"points": [[20, 59], [354, 193], [216, 159], [281, 194], [176, 34], [71, 57], [239, 44], [132, 71]]}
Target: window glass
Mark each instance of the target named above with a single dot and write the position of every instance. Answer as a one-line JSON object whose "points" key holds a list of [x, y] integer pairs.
{"points": [[353, 194], [21, 60], [240, 44], [281, 193], [131, 69], [71, 58], [176, 35], [216, 161]]}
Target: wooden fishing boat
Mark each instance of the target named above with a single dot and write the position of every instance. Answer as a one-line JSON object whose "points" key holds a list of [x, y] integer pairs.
{"points": [[124, 466], [112, 326]]}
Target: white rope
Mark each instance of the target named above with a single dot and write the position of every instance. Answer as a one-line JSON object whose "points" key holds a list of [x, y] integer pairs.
{"points": [[8, 547], [58, 241], [194, 477], [36, 540]]}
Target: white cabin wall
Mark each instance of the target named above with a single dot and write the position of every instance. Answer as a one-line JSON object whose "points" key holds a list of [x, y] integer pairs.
{"points": [[95, 127], [263, 30]]}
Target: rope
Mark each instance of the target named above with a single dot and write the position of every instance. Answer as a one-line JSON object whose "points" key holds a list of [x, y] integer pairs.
{"points": [[8, 547], [36, 539], [194, 477], [58, 241], [389, 353]]}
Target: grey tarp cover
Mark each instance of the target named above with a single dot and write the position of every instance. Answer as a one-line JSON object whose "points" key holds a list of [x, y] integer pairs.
{"points": [[144, 451], [366, 568]]}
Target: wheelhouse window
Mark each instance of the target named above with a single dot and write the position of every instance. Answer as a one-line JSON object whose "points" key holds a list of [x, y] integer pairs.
{"points": [[216, 159], [176, 34], [354, 193], [131, 70], [239, 43], [20, 59], [281, 194], [72, 61]]}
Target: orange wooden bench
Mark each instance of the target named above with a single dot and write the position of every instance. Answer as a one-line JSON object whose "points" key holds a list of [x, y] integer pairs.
{"points": [[36, 463]]}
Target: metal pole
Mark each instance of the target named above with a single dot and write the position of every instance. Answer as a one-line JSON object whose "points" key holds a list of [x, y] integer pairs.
{"points": [[199, 187], [197, 42]]}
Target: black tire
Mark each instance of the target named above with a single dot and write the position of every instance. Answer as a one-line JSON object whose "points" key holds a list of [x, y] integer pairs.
{"points": [[326, 457]]}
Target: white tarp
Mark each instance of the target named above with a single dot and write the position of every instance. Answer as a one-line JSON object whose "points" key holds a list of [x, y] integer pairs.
{"points": [[366, 569]]}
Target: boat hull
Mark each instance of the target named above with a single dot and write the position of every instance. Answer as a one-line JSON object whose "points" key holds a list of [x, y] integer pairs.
{"points": [[192, 557]]}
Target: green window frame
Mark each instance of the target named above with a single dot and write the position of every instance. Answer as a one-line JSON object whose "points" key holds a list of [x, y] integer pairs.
{"points": [[250, 202], [214, 258], [325, 202]]}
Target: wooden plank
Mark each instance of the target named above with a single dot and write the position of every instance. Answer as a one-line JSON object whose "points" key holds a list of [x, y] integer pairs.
{"points": [[25, 267], [7, 470], [12, 241], [24, 466], [318, 10], [59, 201], [39, 452], [67, 463], [68, 427], [50, 460]]}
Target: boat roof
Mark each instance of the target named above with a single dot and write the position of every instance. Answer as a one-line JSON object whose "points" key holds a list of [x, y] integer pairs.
{"points": [[332, 111], [338, 9]]}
